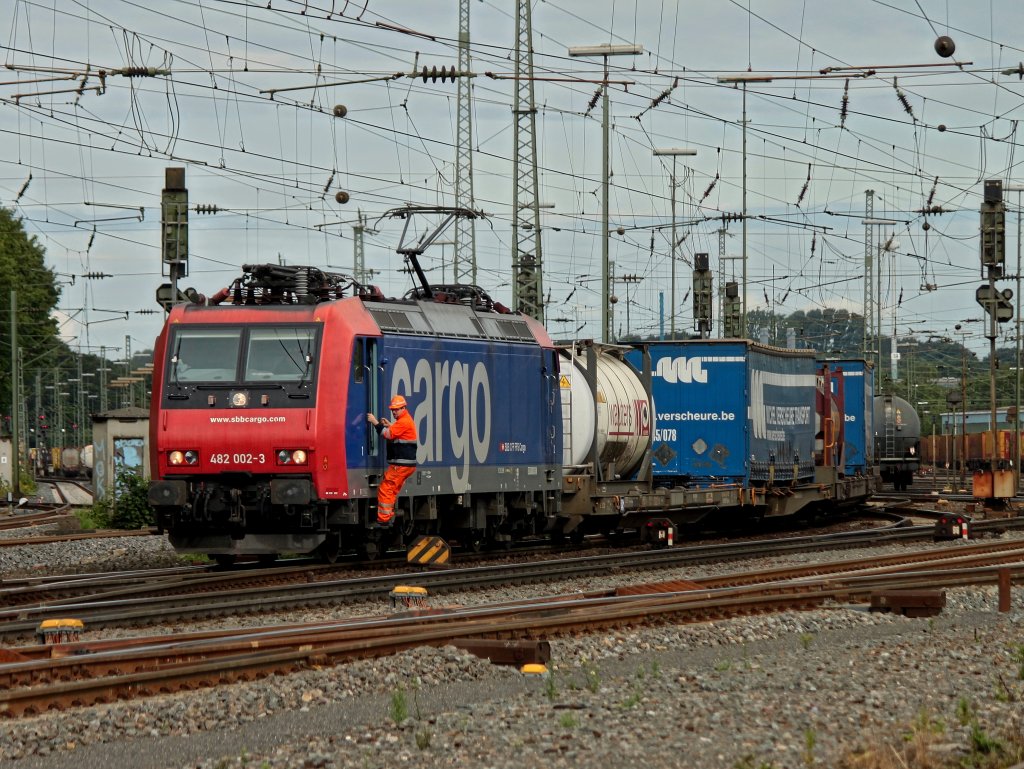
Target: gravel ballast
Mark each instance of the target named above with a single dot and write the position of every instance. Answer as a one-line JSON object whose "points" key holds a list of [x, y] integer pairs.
{"points": [[786, 690]]}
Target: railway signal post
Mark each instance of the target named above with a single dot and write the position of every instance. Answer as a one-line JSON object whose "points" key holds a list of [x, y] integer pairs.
{"points": [[996, 481]]}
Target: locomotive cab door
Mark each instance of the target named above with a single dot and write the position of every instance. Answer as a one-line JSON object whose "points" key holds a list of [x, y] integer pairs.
{"points": [[365, 391]]}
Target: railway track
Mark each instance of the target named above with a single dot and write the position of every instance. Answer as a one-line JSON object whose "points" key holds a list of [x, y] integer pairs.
{"points": [[53, 677], [76, 535], [46, 588], [39, 514], [203, 594]]}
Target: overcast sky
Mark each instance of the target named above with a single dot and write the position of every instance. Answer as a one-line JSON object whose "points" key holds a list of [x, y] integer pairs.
{"points": [[85, 170]]}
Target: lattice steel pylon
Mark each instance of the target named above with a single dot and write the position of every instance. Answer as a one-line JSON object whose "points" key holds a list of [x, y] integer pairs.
{"points": [[359, 271], [872, 332], [465, 227], [527, 264]]}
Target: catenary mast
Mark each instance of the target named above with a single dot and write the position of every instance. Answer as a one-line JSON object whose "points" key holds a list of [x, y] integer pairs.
{"points": [[527, 264], [465, 226]]}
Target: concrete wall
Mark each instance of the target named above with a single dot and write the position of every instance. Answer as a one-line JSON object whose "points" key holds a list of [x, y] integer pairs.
{"points": [[118, 442], [6, 463]]}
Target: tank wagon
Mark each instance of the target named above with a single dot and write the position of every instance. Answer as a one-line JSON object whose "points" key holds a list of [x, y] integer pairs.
{"points": [[261, 444], [897, 440], [75, 461]]}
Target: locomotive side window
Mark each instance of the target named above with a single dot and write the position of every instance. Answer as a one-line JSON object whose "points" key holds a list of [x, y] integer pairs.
{"points": [[358, 362], [205, 355], [279, 354]]}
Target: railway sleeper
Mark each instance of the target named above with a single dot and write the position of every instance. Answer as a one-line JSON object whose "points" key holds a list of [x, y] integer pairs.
{"points": [[909, 603]]}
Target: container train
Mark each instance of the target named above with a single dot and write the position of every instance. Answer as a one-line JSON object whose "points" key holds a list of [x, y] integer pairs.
{"points": [[69, 462], [260, 443]]}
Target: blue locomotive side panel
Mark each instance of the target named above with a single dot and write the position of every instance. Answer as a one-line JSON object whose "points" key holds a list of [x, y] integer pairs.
{"points": [[484, 412], [731, 412], [858, 397]]}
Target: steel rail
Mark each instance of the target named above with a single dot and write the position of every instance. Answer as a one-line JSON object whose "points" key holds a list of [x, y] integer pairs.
{"points": [[48, 590], [125, 606], [251, 654], [75, 536], [48, 514]]}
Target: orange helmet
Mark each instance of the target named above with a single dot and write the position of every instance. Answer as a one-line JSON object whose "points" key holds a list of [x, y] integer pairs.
{"points": [[398, 402]]}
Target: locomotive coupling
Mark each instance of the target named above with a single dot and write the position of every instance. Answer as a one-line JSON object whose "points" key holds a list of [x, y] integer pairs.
{"points": [[291, 491]]}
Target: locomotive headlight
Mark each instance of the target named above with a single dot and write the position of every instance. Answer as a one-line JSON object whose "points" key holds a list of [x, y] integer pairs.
{"points": [[189, 457], [239, 399], [292, 457]]}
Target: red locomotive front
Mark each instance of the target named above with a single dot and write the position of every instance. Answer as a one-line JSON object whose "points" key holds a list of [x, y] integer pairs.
{"points": [[235, 427]]}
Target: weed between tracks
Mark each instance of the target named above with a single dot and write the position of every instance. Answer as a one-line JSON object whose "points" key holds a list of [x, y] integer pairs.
{"points": [[399, 713], [928, 744]]}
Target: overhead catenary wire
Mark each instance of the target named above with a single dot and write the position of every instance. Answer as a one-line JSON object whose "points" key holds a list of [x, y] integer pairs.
{"points": [[301, 182]]}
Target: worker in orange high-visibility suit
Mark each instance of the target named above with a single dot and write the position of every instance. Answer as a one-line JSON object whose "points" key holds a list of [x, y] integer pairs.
{"points": [[401, 437]]}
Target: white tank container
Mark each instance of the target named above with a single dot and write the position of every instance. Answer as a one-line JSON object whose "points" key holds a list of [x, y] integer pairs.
{"points": [[620, 419], [70, 459], [87, 457]]}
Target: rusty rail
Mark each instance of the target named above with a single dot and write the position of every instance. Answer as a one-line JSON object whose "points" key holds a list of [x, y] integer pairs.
{"points": [[123, 606], [119, 670]]}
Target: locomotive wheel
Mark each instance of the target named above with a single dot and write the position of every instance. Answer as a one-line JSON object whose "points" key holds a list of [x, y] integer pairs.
{"points": [[371, 551], [224, 559], [329, 550], [477, 539]]}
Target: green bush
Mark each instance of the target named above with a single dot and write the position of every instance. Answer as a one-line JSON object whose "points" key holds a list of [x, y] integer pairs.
{"points": [[129, 509], [27, 484]]}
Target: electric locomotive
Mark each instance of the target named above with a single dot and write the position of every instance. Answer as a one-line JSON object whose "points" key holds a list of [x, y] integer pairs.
{"points": [[259, 412]]}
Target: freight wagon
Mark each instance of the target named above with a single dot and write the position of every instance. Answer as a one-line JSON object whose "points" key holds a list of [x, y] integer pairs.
{"points": [[858, 413]]}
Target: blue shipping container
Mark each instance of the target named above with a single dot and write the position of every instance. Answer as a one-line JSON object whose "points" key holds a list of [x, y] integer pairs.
{"points": [[858, 397], [732, 411]]}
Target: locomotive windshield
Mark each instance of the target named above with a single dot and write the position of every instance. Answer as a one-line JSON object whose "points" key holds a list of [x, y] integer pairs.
{"points": [[281, 356], [278, 354], [205, 354]]}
